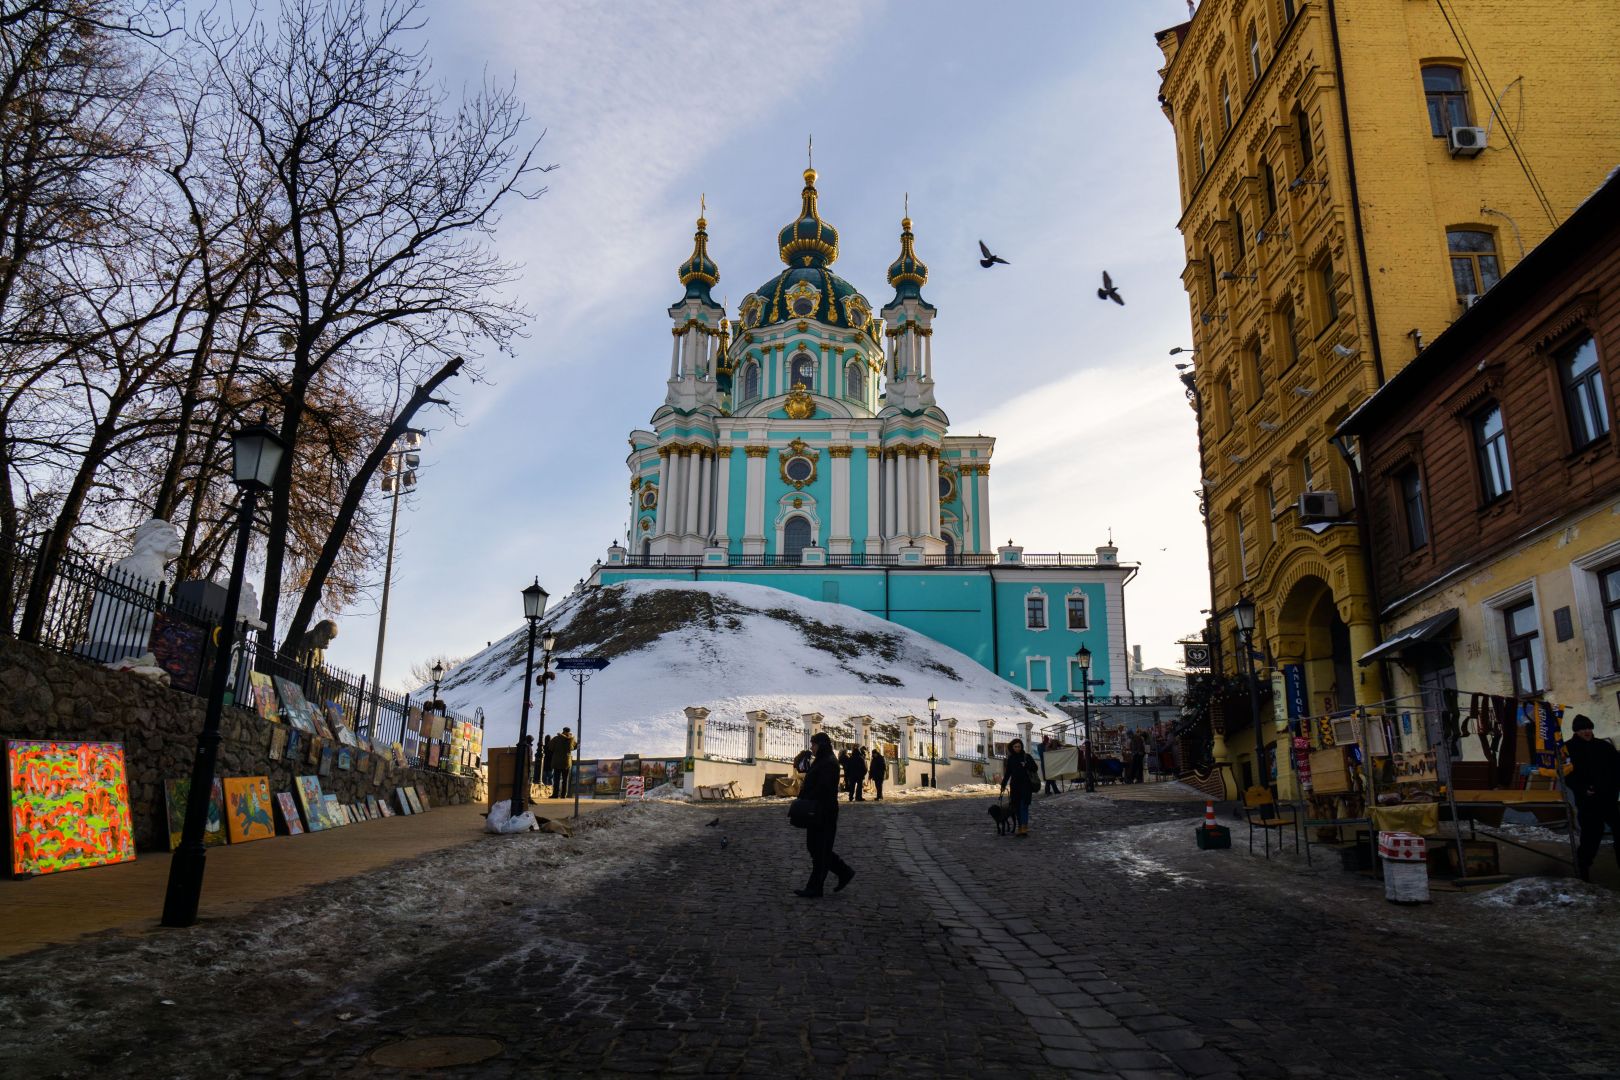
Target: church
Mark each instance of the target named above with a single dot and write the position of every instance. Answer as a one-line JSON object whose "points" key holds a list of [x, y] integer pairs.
{"points": [[801, 447]]}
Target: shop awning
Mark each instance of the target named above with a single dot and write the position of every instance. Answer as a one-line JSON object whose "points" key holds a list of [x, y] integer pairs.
{"points": [[1427, 630]]}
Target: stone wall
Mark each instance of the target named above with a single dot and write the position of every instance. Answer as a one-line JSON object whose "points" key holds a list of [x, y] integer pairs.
{"points": [[46, 695]]}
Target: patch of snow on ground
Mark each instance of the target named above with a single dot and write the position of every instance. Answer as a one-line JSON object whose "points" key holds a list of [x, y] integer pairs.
{"points": [[1540, 893]]}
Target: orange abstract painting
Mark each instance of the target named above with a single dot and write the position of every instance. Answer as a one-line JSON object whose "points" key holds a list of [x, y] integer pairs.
{"points": [[67, 806]]}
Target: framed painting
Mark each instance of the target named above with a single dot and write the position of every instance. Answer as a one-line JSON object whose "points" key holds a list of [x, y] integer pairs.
{"points": [[328, 756], [278, 742], [308, 789], [67, 806], [332, 811], [345, 758], [371, 807], [294, 708], [295, 744], [289, 813], [421, 799], [265, 701], [412, 801], [382, 805], [248, 813], [175, 793], [178, 647], [404, 801]]}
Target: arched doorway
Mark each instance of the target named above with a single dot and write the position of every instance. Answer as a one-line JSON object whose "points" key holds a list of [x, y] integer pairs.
{"points": [[795, 537]]}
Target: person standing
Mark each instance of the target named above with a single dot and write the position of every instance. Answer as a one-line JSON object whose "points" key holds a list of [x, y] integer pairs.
{"points": [[879, 771], [821, 788], [1020, 773], [1048, 743], [1595, 780], [542, 762], [561, 756], [1137, 749], [857, 774]]}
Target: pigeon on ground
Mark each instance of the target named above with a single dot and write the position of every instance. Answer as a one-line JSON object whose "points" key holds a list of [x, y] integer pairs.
{"points": [[990, 260], [1108, 292], [713, 823], [724, 840]]}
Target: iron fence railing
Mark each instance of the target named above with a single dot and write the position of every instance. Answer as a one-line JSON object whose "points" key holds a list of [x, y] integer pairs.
{"points": [[87, 609], [967, 743], [728, 740], [855, 559], [784, 739]]}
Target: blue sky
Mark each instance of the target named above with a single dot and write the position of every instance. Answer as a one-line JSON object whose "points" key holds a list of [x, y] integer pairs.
{"points": [[1032, 125]]}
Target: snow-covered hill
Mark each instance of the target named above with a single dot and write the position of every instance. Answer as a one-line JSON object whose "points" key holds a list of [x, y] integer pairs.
{"points": [[729, 648]]}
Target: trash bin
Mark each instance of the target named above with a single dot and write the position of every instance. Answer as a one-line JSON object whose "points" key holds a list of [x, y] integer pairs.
{"points": [[1406, 867]]}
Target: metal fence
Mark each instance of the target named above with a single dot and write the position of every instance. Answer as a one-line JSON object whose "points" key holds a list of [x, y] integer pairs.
{"points": [[728, 740], [855, 559], [85, 608], [967, 742], [784, 739]]}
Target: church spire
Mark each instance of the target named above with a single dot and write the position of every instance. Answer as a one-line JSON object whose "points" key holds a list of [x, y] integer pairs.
{"points": [[699, 273], [908, 274], [808, 241]]}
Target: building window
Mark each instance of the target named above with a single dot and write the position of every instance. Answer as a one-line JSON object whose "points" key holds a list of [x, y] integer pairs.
{"points": [[1240, 540], [1270, 177], [1271, 510], [1290, 333], [1035, 611], [1523, 633], [1226, 107], [1257, 373], [1583, 391], [1077, 677], [854, 381], [1609, 592], [1490, 444], [750, 381], [1410, 482], [1307, 152], [1307, 475], [1329, 302], [1040, 675], [1254, 53], [1473, 261], [795, 537], [1288, 11], [1209, 265], [1075, 606], [1448, 101], [804, 371], [1237, 232], [1201, 157], [1228, 411]]}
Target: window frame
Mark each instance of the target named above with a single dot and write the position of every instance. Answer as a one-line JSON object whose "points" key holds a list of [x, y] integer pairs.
{"points": [[793, 376], [1475, 259], [1257, 375], [1226, 105], [1239, 246], [1441, 122], [750, 371], [1523, 647], [1487, 460], [1198, 149], [1256, 68], [1414, 515], [1290, 331], [1326, 296], [809, 532], [1609, 607], [1269, 177], [1030, 598], [1085, 610], [1571, 389], [1029, 673], [1302, 132], [854, 375]]}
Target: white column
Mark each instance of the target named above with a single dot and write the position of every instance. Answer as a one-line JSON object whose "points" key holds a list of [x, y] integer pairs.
{"points": [[928, 350], [840, 498], [705, 493], [902, 494], [663, 491], [874, 521], [674, 355], [985, 543], [722, 495], [933, 494], [886, 522], [689, 520]]}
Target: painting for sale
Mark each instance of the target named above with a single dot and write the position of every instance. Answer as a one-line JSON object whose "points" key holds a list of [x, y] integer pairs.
{"points": [[248, 813], [309, 800], [265, 701], [175, 793], [67, 806], [289, 813], [332, 811]]}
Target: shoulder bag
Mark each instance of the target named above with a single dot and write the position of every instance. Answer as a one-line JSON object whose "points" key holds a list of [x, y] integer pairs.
{"points": [[802, 812]]}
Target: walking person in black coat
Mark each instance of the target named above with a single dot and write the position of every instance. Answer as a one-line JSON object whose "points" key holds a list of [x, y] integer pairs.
{"points": [[1595, 781], [879, 771], [855, 774], [1020, 773], [821, 787]]}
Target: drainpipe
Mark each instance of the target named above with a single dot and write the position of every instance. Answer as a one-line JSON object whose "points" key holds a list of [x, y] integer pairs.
{"points": [[1358, 491], [1355, 195]]}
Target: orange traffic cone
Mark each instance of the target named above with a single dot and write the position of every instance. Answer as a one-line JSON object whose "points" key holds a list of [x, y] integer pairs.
{"points": [[1209, 814], [1210, 835]]}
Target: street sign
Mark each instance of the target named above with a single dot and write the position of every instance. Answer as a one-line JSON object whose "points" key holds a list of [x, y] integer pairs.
{"points": [[582, 663]]}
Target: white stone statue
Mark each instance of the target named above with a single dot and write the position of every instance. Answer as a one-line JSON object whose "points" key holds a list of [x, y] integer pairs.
{"points": [[247, 608], [120, 626]]}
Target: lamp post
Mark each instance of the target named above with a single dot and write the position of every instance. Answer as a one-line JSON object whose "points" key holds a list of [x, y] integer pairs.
{"points": [[534, 606], [256, 454], [398, 474], [1083, 659], [547, 644], [438, 673], [1243, 615], [933, 745]]}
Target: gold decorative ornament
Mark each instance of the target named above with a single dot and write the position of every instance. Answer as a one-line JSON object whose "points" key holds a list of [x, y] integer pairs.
{"points": [[757, 451], [798, 504], [799, 404], [724, 452], [798, 464], [649, 498], [839, 451], [635, 482], [874, 452], [646, 525]]}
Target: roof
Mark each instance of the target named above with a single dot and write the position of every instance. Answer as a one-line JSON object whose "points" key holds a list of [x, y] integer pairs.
{"points": [[1416, 634]]}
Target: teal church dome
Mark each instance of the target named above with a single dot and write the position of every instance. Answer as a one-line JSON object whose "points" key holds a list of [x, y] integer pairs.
{"points": [[908, 274], [807, 289], [699, 273]]}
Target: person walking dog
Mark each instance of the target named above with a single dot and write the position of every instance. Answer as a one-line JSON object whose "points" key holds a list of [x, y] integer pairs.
{"points": [[1020, 773], [821, 790]]}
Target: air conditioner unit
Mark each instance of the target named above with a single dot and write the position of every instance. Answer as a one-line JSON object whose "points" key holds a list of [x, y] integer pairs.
{"points": [[1465, 141], [1319, 506]]}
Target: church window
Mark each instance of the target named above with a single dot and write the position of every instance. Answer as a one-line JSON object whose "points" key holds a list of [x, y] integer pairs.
{"points": [[947, 487], [854, 381], [1040, 674], [795, 537], [1035, 611], [804, 306], [646, 552], [649, 497], [750, 381], [1075, 606], [799, 469], [804, 371]]}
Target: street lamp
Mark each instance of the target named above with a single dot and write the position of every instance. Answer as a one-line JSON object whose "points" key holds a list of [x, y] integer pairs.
{"points": [[547, 644], [1243, 615], [256, 454], [933, 746], [534, 606], [1083, 659], [438, 673], [398, 475], [1179, 349]]}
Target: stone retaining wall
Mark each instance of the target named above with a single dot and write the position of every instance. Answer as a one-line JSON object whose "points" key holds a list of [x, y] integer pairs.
{"points": [[46, 695]]}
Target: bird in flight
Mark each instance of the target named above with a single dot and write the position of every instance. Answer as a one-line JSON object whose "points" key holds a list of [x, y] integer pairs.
{"points": [[990, 260], [1108, 292]]}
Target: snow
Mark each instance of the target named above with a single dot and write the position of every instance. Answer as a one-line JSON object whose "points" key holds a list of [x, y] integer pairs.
{"points": [[762, 662], [1541, 892]]}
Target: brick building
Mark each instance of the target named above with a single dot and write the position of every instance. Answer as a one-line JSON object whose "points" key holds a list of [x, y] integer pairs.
{"points": [[1492, 473], [1354, 174]]}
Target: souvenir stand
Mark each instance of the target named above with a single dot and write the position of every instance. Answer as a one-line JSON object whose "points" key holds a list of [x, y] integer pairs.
{"points": [[1335, 786]]}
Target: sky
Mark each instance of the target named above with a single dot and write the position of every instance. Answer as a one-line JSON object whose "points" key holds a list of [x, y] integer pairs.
{"points": [[1031, 125]]}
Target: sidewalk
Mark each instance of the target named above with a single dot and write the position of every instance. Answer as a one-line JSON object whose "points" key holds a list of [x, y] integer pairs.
{"points": [[128, 897]]}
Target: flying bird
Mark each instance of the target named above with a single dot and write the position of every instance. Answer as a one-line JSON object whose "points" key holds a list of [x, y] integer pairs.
{"points": [[990, 260], [713, 823], [1108, 292]]}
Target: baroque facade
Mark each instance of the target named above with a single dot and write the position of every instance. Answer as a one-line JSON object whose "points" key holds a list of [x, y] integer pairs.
{"points": [[1353, 174]]}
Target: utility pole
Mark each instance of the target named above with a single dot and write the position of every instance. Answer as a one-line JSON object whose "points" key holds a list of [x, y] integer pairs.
{"points": [[398, 474]]}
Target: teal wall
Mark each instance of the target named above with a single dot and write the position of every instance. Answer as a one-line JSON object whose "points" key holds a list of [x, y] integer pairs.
{"points": [[951, 607]]}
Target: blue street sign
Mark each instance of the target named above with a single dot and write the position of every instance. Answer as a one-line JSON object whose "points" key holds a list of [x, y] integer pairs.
{"points": [[581, 663], [1294, 690]]}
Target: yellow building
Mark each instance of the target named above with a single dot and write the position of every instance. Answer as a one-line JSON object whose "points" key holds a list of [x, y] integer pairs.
{"points": [[1353, 174]]}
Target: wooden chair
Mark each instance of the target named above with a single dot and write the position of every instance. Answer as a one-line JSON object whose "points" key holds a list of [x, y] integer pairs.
{"points": [[1262, 812]]}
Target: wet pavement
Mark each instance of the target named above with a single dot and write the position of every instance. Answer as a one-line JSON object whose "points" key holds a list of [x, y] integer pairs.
{"points": [[1104, 945]]}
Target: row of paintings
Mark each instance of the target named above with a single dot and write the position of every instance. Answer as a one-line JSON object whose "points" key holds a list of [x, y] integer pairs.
{"points": [[240, 809], [450, 741], [604, 778]]}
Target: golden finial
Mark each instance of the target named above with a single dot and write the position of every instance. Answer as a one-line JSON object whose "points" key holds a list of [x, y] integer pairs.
{"points": [[905, 219]]}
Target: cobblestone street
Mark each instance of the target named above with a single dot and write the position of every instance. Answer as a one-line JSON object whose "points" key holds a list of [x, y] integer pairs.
{"points": [[1104, 945]]}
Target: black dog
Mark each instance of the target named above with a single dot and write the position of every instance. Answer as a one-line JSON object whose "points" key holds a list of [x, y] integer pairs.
{"points": [[1003, 817]]}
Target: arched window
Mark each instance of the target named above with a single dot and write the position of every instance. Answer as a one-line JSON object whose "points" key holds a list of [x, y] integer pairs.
{"points": [[1254, 53], [1446, 97], [1473, 261], [804, 371], [1307, 151], [1226, 106], [795, 537], [1202, 160], [750, 381], [1237, 233], [854, 381]]}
